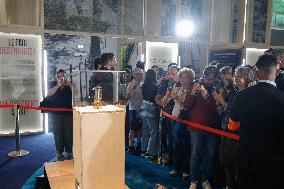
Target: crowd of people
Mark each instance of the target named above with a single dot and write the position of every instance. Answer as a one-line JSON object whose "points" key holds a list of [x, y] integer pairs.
{"points": [[245, 101]]}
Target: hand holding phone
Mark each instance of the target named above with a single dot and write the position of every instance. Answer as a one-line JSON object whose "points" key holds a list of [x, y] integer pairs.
{"points": [[203, 91], [195, 89]]}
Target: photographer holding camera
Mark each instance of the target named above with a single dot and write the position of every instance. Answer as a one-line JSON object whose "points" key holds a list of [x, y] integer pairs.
{"points": [[203, 110], [166, 84], [62, 122]]}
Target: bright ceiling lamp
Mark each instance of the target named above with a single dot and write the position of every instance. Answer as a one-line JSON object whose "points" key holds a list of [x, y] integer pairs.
{"points": [[184, 28]]}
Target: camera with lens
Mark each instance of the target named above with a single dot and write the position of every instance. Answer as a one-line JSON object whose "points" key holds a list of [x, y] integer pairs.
{"points": [[61, 79], [217, 85]]}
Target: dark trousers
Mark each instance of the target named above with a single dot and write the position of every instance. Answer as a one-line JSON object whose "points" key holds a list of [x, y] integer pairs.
{"points": [[127, 125], [167, 137], [63, 132], [203, 146], [181, 146], [229, 157]]}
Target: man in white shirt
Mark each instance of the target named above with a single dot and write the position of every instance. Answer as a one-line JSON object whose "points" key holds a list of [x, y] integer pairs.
{"points": [[134, 97]]}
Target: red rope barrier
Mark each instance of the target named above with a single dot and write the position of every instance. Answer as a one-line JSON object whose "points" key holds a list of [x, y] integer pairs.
{"points": [[45, 108], [202, 127], [6, 106], [38, 108], [191, 124]]}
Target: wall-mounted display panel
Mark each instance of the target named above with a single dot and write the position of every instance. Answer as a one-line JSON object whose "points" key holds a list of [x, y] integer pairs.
{"points": [[20, 81], [227, 57], [161, 54], [252, 55], [257, 21], [277, 23]]}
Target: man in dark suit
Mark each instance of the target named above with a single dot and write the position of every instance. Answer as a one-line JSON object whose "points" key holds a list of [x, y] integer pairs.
{"points": [[258, 113]]}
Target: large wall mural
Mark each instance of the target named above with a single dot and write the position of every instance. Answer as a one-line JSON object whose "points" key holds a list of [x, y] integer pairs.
{"points": [[72, 51], [121, 17], [74, 54], [107, 16], [259, 21], [63, 52], [82, 15]]}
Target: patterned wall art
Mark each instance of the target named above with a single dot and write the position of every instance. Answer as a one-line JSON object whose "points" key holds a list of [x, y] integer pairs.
{"points": [[259, 21], [66, 51], [99, 16]]}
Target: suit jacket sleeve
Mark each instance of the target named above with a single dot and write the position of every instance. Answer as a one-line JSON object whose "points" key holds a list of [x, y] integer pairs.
{"points": [[234, 117]]}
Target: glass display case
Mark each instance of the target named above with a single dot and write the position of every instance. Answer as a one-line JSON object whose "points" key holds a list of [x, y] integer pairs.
{"points": [[99, 128], [99, 88]]}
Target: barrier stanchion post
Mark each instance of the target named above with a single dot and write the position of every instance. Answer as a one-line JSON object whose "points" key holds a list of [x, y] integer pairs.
{"points": [[18, 152], [160, 142]]}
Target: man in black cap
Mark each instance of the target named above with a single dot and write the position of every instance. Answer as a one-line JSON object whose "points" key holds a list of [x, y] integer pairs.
{"points": [[258, 113]]}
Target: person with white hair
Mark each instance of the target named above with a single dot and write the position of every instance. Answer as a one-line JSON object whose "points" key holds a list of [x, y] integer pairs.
{"points": [[134, 97]]}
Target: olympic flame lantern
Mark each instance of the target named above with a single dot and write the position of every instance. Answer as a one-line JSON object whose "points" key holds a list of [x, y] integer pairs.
{"points": [[98, 97]]}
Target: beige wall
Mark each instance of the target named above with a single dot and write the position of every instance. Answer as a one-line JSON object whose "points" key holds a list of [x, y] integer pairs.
{"points": [[20, 12], [221, 21], [153, 18]]}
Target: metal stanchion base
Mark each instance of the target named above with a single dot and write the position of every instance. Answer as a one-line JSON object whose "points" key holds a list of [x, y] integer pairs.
{"points": [[18, 153]]}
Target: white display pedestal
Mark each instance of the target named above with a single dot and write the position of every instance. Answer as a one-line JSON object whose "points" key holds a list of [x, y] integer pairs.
{"points": [[99, 158]]}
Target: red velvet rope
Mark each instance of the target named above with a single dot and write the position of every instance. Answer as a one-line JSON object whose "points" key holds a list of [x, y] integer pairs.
{"points": [[189, 123], [38, 108], [6, 106], [202, 127], [45, 108]]}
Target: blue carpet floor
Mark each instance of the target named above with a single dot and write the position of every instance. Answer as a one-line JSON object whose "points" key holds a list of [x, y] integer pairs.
{"points": [[21, 172], [142, 174], [15, 171]]}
